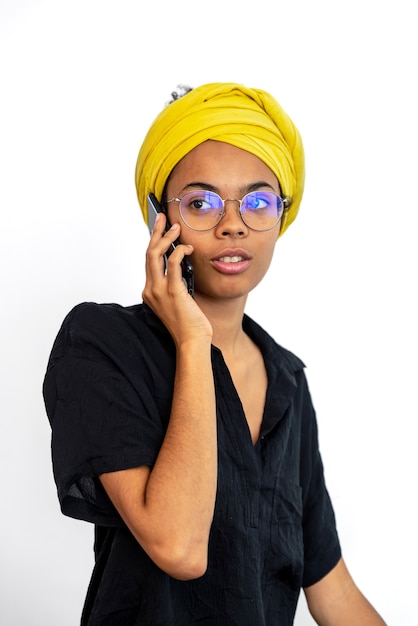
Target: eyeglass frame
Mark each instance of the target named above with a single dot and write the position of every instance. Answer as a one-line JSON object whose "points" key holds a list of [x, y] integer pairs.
{"points": [[286, 201]]}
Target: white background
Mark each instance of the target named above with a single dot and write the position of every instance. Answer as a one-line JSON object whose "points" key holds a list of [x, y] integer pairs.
{"points": [[80, 83]]}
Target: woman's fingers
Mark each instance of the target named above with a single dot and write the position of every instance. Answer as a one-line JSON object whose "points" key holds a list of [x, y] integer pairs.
{"points": [[163, 269]]}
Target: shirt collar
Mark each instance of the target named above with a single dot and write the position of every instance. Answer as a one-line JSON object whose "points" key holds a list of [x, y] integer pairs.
{"points": [[282, 367]]}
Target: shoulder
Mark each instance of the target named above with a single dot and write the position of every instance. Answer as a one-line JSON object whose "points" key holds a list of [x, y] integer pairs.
{"points": [[89, 314], [89, 319], [91, 328], [113, 347]]}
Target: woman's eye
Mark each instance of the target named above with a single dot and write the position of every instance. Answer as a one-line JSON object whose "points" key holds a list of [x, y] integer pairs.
{"points": [[200, 204], [259, 202]]}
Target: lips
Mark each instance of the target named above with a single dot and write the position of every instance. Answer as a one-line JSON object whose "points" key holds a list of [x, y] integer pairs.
{"points": [[231, 261], [232, 255]]}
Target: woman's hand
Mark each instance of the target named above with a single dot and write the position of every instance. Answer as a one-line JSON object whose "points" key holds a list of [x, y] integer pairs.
{"points": [[165, 291]]}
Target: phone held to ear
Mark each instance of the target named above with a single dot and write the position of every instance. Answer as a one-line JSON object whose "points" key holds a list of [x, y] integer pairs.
{"points": [[154, 207]]}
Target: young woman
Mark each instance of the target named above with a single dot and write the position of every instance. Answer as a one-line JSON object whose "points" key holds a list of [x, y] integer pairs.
{"points": [[180, 428]]}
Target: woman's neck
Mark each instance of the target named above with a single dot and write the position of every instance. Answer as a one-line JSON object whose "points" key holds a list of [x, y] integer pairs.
{"points": [[225, 317]]}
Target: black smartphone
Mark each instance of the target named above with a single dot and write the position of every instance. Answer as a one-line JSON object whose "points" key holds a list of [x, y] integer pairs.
{"points": [[154, 207]]}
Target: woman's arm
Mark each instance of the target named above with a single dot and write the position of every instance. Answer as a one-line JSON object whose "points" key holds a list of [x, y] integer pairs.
{"points": [[336, 601], [169, 509]]}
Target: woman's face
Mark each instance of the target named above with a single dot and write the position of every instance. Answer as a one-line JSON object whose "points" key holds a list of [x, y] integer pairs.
{"points": [[231, 259]]}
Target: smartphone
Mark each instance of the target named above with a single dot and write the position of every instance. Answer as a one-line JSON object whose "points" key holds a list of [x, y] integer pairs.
{"points": [[154, 207]]}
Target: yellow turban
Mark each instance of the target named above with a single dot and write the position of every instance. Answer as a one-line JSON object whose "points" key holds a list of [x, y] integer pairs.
{"points": [[250, 119]]}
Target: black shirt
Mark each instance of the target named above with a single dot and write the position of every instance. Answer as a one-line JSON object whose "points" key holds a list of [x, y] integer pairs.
{"points": [[108, 391]]}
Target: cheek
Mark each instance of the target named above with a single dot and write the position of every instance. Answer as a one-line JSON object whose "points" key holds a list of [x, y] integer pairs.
{"points": [[192, 238], [188, 236], [172, 214], [265, 258], [267, 251]]}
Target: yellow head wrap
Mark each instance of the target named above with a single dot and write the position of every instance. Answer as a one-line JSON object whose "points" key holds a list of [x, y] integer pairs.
{"points": [[250, 119]]}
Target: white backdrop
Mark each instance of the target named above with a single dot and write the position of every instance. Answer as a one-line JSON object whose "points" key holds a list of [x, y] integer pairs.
{"points": [[80, 83]]}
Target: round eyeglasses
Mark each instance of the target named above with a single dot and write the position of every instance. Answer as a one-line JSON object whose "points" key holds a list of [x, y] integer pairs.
{"points": [[203, 210]]}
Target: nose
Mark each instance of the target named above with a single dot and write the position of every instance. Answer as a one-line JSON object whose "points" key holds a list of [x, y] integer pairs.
{"points": [[231, 222]]}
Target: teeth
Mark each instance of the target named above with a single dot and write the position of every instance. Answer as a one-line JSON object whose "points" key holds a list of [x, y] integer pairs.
{"points": [[231, 259]]}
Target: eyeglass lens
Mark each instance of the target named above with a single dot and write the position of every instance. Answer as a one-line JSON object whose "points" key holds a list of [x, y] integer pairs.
{"points": [[203, 210]]}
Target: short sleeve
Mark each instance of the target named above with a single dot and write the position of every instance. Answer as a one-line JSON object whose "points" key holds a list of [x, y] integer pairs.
{"points": [[321, 543], [104, 415]]}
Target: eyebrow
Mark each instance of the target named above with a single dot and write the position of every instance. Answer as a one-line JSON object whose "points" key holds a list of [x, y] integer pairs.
{"points": [[244, 190]]}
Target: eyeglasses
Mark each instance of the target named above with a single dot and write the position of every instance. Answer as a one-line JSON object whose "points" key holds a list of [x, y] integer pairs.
{"points": [[259, 210]]}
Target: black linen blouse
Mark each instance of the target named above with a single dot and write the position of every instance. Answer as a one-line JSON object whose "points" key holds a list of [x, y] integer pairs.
{"points": [[107, 391]]}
